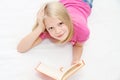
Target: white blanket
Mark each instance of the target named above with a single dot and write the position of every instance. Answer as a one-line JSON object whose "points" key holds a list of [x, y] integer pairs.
{"points": [[101, 52]]}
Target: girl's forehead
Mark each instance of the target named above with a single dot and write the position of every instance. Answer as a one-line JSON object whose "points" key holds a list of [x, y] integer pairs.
{"points": [[51, 21]]}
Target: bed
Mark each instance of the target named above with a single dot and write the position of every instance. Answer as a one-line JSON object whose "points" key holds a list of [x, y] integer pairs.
{"points": [[101, 52]]}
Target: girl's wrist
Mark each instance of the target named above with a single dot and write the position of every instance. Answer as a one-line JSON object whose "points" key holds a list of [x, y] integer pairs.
{"points": [[41, 27], [37, 31], [75, 62]]}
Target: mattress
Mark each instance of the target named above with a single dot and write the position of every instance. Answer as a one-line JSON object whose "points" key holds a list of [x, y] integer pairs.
{"points": [[101, 52]]}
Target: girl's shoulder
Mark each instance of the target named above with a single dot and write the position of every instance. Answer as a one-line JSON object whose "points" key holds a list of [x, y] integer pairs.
{"points": [[81, 33], [44, 35]]}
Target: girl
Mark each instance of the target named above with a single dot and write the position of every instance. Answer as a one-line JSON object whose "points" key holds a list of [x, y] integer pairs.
{"points": [[61, 22]]}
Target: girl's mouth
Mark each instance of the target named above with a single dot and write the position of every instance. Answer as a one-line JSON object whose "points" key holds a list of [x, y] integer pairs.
{"points": [[60, 35]]}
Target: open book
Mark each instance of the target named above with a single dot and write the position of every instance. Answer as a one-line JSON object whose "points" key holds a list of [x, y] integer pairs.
{"points": [[58, 74]]}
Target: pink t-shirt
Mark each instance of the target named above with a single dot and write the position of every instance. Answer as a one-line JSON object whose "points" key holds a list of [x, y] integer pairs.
{"points": [[79, 12]]}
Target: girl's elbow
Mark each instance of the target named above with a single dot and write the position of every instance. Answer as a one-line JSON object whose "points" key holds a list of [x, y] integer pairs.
{"points": [[21, 49]]}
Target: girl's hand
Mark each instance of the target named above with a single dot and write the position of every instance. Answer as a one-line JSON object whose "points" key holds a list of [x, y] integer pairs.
{"points": [[40, 17], [75, 62], [41, 13]]}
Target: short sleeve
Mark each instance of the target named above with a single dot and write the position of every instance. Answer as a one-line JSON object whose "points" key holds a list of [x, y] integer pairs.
{"points": [[44, 35], [81, 33]]}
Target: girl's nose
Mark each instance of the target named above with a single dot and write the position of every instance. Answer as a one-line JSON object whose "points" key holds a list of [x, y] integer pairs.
{"points": [[57, 30]]}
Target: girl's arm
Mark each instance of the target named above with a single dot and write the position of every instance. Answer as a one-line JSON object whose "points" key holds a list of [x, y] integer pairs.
{"points": [[77, 52], [37, 41], [31, 40]]}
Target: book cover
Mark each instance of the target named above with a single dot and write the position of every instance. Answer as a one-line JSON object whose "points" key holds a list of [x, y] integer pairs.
{"points": [[58, 74]]}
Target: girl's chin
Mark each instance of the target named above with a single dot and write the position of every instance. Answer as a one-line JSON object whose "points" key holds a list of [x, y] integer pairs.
{"points": [[62, 39]]}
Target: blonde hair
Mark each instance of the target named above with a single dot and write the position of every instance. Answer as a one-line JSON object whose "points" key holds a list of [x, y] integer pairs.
{"points": [[57, 10]]}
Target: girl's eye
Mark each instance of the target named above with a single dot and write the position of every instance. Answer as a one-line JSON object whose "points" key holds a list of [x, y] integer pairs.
{"points": [[60, 23], [50, 28]]}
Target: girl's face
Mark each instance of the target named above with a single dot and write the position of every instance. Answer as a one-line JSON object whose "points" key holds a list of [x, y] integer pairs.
{"points": [[56, 28]]}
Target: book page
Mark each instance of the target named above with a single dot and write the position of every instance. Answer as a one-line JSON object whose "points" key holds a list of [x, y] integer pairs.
{"points": [[49, 71], [72, 70]]}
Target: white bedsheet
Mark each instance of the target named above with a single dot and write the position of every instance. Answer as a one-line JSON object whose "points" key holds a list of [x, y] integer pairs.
{"points": [[101, 53]]}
